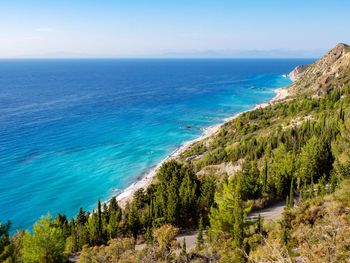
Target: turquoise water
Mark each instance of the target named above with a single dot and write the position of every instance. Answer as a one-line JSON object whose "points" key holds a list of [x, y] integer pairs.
{"points": [[75, 130]]}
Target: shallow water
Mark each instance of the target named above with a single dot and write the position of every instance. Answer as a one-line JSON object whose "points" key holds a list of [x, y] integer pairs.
{"points": [[75, 130]]}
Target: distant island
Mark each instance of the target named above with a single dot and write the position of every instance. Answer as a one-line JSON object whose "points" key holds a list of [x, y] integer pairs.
{"points": [[270, 184]]}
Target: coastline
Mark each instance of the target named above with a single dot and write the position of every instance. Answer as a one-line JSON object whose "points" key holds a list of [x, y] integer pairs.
{"points": [[127, 194]]}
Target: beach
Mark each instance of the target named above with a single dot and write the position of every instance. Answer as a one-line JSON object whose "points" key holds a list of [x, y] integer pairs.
{"points": [[127, 194]]}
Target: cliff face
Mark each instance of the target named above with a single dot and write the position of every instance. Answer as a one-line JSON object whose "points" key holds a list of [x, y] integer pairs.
{"points": [[297, 72], [331, 71]]}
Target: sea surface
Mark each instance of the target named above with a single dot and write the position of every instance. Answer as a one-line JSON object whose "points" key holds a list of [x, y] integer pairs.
{"points": [[73, 131]]}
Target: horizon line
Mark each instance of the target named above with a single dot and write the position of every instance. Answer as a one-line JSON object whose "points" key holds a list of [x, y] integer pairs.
{"points": [[154, 58]]}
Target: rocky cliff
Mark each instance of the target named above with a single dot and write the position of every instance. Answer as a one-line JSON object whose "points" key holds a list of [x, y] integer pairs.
{"points": [[297, 72], [331, 71]]}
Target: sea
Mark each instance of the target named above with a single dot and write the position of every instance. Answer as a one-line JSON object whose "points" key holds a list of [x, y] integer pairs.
{"points": [[75, 130]]}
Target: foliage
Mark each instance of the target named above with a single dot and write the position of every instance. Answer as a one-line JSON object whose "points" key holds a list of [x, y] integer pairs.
{"points": [[46, 244], [4, 240]]}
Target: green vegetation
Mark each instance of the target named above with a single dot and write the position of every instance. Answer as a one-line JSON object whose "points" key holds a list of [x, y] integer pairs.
{"points": [[295, 150], [318, 230]]}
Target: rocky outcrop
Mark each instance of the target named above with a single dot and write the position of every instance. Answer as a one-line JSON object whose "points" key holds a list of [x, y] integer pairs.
{"points": [[297, 72], [331, 71]]}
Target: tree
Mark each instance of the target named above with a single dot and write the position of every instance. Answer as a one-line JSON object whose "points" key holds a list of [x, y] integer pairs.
{"points": [[200, 239], [259, 225], [148, 236], [99, 222], [133, 222], [265, 177], [113, 204], [187, 195], [46, 244], [4, 240], [81, 217], [291, 194], [238, 233], [183, 247], [221, 219], [250, 185], [172, 207], [165, 236], [315, 160], [282, 171], [139, 199], [207, 193], [114, 219]]}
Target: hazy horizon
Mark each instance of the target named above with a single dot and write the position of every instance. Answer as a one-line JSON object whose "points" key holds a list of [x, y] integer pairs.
{"points": [[181, 29]]}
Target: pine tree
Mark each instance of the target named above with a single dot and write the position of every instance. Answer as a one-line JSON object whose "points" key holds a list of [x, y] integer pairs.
{"points": [[259, 224], [207, 192], [183, 248], [45, 244], [133, 222], [99, 223], [113, 205], [238, 226], [221, 219], [148, 236], [173, 202], [200, 239], [105, 212], [187, 195], [4, 239], [265, 177], [81, 217], [112, 227], [291, 194]]}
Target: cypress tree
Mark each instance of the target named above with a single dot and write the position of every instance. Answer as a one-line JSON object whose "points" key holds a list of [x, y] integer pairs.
{"points": [[187, 195], [291, 193], [238, 233], [81, 217], [200, 239], [259, 224], [105, 212], [265, 177], [113, 205], [99, 220], [173, 202], [148, 236], [183, 247]]}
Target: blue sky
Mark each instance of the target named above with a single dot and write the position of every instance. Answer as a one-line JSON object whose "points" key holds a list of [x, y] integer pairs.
{"points": [[171, 28]]}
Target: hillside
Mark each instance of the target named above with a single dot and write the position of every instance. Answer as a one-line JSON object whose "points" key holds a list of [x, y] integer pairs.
{"points": [[331, 71], [297, 72], [294, 151]]}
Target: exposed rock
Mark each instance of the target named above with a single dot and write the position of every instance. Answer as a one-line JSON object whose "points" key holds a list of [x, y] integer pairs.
{"points": [[221, 169], [316, 78], [296, 73]]}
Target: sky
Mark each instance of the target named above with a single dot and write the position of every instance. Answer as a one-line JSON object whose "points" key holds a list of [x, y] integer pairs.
{"points": [[171, 28]]}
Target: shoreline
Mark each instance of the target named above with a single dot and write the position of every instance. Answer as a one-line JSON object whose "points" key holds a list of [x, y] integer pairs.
{"points": [[126, 195]]}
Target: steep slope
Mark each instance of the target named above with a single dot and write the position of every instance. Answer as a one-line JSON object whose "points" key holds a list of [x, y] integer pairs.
{"points": [[297, 72], [331, 71]]}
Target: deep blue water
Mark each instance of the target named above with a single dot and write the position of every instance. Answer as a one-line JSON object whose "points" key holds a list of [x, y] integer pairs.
{"points": [[75, 130]]}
